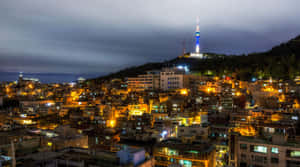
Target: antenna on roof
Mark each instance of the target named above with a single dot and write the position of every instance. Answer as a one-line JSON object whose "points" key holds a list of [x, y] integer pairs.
{"points": [[183, 47]]}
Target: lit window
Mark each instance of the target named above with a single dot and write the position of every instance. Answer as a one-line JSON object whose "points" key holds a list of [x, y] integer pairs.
{"points": [[260, 149], [295, 154], [274, 150], [185, 163]]}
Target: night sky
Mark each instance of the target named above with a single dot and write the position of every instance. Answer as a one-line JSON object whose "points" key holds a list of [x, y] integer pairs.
{"points": [[103, 36]]}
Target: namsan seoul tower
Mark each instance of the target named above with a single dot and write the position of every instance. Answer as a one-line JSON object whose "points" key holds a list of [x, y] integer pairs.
{"points": [[197, 35], [197, 53]]}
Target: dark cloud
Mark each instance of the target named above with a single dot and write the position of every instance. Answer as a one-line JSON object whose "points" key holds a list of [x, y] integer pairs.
{"points": [[63, 36]]}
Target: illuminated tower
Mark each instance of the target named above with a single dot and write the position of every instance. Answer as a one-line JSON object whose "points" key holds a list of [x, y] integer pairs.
{"points": [[197, 53], [197, 35]]}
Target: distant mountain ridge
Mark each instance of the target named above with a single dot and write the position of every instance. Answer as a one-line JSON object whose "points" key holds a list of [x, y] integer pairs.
{"points": [[281, 62]]}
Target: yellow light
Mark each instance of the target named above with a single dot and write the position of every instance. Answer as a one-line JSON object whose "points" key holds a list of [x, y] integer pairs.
{"points": [[29, 121], [184, 122], [275, 117], [296, 104], [136, 112], [112, 123], [197, 120], [246, 131], [49, 144], [183, 92], [30, 86], [269, 89], [210, 90], [49, 94], [23, 93], [73, 93], [282, 98]]}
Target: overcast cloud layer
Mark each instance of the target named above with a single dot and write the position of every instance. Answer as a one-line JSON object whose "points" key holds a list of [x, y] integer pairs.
{"points": [[102, 36]]}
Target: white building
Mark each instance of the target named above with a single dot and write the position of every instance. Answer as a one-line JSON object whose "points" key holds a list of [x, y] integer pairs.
{"points": [[149, 81], [166, 79], [172, 78]]}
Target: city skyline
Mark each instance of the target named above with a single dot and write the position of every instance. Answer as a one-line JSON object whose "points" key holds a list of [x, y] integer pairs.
{"points": [[160, 83]]}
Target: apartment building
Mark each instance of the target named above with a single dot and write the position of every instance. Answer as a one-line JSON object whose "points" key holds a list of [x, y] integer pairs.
{"points": [[149, 81]]}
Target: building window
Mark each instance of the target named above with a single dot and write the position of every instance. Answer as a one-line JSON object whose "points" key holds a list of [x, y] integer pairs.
{"points": [[292, 163], [259, 149], [274, 150], [97, 141], [260, 159], [243, 164], [292, 153], [243, 146], [274, 160]]}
